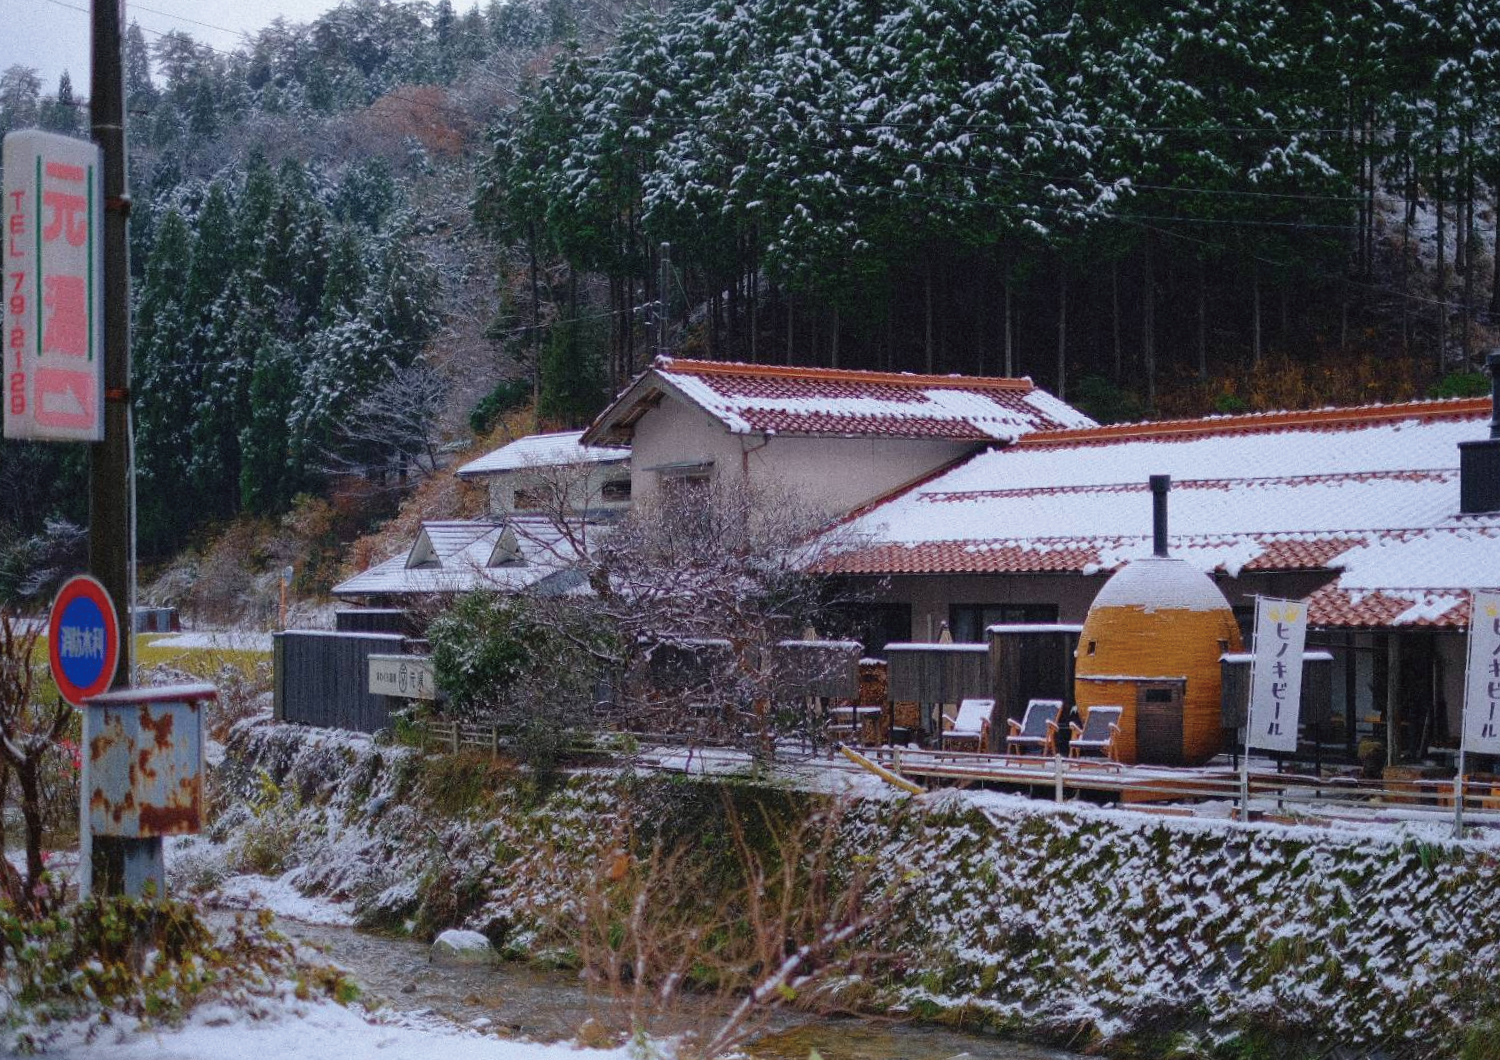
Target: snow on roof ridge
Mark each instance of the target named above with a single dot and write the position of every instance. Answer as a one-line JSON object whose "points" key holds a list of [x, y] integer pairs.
{"points": [[1319, 478], [549, 449], [849, 375], [1238, 423]]}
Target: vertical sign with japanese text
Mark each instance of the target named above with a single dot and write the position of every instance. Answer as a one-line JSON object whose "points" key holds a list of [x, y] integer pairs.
{"points": [[1276, 675], [1482, 689], [54, 288]]}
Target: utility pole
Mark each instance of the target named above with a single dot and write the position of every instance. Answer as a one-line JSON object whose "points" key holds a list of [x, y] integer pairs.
{"points": [[111, 521], [663, 299], [110, 517]]}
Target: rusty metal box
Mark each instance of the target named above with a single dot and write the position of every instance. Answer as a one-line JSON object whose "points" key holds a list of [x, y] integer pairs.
{"points": [[143, 761]]}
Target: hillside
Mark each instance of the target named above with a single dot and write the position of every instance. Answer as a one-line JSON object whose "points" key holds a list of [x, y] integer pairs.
{"points": [[346, 234]]}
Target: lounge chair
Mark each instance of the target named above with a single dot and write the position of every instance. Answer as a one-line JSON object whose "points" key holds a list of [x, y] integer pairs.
{"points": [[1100, 727], [972, 723], [1036, 729]]}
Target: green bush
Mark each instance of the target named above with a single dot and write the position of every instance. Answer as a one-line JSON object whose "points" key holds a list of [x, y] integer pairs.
{"points": [[1461, 384], [508, 395], [1106, 402], [527, 665], [91, 964]]}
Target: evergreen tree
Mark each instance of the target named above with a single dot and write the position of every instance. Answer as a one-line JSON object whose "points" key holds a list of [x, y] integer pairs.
{"points": [[165, 387], [268, 479], [140, 90]]}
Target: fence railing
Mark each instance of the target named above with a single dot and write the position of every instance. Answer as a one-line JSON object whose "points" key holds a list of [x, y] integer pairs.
{"points": [[1270, 792], [1273, 795]]}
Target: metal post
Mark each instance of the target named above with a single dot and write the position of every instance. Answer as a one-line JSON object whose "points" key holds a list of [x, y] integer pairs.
{"points": [[111, 520], [1057, 769], [1458, 793]]}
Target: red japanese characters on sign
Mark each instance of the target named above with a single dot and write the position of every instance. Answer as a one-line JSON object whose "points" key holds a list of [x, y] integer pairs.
{"points": [[53, 282]]}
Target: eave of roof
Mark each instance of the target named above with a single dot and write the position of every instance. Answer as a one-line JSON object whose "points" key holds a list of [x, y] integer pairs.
{"points": [[1352, 417]]}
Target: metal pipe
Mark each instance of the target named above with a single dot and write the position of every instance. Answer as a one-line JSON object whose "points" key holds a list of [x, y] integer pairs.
{"points": [[1492, 362], [1160, 484]]}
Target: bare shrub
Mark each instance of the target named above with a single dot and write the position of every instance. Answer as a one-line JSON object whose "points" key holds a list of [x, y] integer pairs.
{"points": [[677, 954], [702, 581], [32, 734]]}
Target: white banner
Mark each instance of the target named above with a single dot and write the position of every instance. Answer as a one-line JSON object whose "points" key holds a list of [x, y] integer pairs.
{"points": [[54, 288], [1482, 689], [1276, 673]]}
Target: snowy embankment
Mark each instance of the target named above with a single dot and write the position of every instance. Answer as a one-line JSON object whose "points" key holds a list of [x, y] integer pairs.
{"points": [[312, 1031], [1068, 923]]}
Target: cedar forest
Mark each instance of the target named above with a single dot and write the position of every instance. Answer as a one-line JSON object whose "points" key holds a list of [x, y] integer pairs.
{"points": [[416, 217]]}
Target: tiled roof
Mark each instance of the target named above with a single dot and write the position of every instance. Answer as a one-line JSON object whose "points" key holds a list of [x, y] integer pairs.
{"points": [[1354, 417], [1368, 495], [543, 450], [773, 399]]}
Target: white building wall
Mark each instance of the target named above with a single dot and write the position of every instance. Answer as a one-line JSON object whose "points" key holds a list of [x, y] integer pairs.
{"points": [[584, 484], [835, 475]]}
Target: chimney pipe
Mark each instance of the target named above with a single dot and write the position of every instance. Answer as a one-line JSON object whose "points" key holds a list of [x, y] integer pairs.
{"points": [[1479, 460], [1160, 484]]}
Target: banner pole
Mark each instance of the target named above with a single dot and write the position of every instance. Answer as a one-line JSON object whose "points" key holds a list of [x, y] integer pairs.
{"points": [[1249, 706]]}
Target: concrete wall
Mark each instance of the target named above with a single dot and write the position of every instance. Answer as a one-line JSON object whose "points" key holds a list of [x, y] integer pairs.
{"points": [[833, 475]]}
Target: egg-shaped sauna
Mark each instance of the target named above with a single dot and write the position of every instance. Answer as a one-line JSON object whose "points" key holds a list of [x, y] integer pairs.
{"points": [[1151, 645]]}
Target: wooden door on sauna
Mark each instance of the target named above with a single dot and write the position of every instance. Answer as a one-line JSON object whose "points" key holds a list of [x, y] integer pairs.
{"points": [[1158, 722]]}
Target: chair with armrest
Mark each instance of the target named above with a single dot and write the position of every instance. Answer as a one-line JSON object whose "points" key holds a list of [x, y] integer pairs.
{"points": [[1097, 736], [972, 725], [1036, 729]]}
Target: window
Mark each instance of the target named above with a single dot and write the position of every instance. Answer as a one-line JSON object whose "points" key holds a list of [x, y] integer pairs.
{"points": [[967, 622], [528, 500], [616, 489], [689, 475]]}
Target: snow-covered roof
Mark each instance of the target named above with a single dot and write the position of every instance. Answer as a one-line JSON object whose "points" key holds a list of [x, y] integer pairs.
{"points": [[831, 402], [456, 556], [1161, 583], [1371, 493], [543, 450]]}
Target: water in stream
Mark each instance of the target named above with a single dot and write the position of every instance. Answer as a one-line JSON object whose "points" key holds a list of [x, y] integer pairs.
{"points": [[549, 1006]]}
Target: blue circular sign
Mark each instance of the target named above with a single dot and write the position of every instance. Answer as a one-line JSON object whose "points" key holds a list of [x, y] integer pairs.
{"points": [[82, 649], [83, 640]]}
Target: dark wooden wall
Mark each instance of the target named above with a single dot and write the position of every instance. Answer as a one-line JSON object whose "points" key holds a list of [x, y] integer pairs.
{"points": [[323, 678]]}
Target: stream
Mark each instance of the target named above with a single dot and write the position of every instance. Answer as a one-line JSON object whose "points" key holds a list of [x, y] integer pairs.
{"points": [[546, 1006]]}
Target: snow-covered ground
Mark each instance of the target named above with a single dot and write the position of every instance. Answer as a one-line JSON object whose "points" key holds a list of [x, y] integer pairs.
{"points": [[217, 640], [322, 1031], [280, 896]]}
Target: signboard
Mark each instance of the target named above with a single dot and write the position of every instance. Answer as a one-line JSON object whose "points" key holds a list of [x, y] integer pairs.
{"points": [[1482, 689], [1276, 673], [54, 288], [406, 676], [83, 639]]}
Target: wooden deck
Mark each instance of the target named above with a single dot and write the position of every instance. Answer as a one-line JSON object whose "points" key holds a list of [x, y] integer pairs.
{"points": [[1036, 774]]}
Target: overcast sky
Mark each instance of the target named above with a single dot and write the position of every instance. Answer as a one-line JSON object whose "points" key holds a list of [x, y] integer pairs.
{"points": [[53, 35]]}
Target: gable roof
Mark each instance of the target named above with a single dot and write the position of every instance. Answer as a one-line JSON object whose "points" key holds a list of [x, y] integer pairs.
{"points": [[561, 449], [1368, 494], [832, 402], [453, 556]]}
